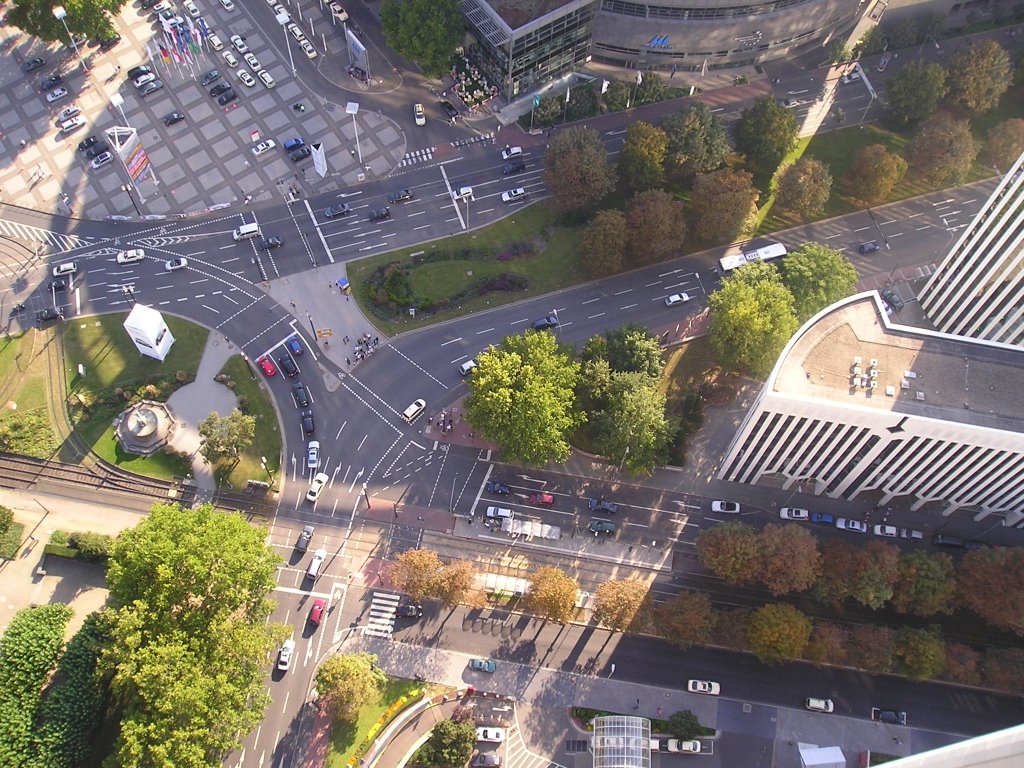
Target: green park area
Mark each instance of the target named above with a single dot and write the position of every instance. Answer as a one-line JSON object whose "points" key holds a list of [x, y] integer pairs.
{"points": [[350, 737]]}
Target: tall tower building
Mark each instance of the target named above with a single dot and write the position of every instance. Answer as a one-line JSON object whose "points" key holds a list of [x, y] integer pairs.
{"points": [[978, 290]]}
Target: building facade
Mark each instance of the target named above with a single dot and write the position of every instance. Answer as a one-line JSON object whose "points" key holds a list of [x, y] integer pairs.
{"points": [[978, 290], [859, 408]]}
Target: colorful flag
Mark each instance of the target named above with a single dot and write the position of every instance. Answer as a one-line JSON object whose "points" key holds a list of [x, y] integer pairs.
{"points": [[604, 86], [566, 95], [639, 77]]}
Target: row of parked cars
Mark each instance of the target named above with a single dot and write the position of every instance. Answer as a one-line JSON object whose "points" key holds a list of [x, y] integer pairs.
{"points": [[885, 531]]}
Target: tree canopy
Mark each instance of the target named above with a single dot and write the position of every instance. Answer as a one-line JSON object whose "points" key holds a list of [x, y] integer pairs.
{"points": [[552, 594], [982, 580], [656, 227], [1004, 144], [686, 619], [765, 133], [697, 140], [789, 558], [926, 584], [618, 604], [415, 572], [346, 681], [427, 31], [731, 551], [604, 243], [633, 430], [778, 632], [914, 92], [804, 187], [722, 204], [88, 18], [576, 170], [226, 435], [817, 276], [521, 397], [979, 75], [874, 174], [450, 745], [920, 652], [943, 150], [641, 161]]}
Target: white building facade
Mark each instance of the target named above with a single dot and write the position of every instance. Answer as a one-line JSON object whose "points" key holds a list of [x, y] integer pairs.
{"points": [[859, 408]]}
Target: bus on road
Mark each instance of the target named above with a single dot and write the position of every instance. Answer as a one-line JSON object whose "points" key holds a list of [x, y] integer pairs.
{"points": [[768, 252]]}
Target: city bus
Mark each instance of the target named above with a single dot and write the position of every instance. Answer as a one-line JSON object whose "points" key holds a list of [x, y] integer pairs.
{"points": [[768, 252]]}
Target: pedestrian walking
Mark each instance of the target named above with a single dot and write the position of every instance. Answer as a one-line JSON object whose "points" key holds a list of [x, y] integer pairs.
{"points": [[348, 361]]}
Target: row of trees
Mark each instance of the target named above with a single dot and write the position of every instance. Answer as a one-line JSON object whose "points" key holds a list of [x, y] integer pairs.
{"points": [[788, 559]]}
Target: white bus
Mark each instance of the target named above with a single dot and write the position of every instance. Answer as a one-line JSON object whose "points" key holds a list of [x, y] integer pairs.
{"points": [[766, 253]]}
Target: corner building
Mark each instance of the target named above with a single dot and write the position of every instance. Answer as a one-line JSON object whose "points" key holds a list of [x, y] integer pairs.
{"points": [[860, 408]]}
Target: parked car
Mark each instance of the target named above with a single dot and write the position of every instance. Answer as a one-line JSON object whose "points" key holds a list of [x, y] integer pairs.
{"points": [[266, 366], [846, 524], [542, 499], [48, 83], [890, 297], [87, 143], [312, 453], [725, 507], [500, 489], [308, 49], [252, 61], [293, 143], [703, 686], [602, 505], [32, 64], [101, 160], [410, 611], [490, 734], [486, 760], [794, 513], [135, 72], [822, 519], [173, 117], [483, 665], [98, 150], [300, 394], [687, 747], [152, 87], [263, 147], [220, 88], [305, 537], [294, 345], [301, 154], [450, 112], [891, 716], [266, 77], [238, 43], [56, 95], [886, 531], [308, 425], [288, 365], [911, 535], [602, 526], [820, 705], [247, 80]]}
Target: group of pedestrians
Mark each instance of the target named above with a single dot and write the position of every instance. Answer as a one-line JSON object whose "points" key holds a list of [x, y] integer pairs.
{"points": [[366, 345]]}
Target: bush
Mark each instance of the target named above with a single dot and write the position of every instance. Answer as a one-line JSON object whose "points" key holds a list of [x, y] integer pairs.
{"points": [[6, 518], [94, 547], [10, 542]]}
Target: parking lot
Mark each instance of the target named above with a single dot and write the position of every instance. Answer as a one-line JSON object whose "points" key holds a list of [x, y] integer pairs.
{"points": [[205, 159]]}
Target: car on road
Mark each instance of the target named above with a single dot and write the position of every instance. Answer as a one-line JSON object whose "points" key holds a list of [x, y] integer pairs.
{"points": [[467, 367], [87, 143], [48, 314], [499, 513], [725, 507], [419, 114], [542, 324], [58, 284], [308, 49], [516, 166], [846, 524], [219, 88], [676, 298], [462, 193], [483, 665], [305, 537], [509, 152], [173, 117], [284, 656], [271, 242], [33, 64], [50, 82], [794, 513], [678, 746], [886, 531], [174, 265], [300, 394], [869, 247], [513, 195], [822, 519], [247, 80], [602, 505], [301, 154], [152, 87], [891, 716], [266, 366], [308, 425], [313, 454], [500, 489], [266, 77], [316, 613], [56, 94], [703, 686], [819, 705], [342, 209], [252, 61], [101, 160], [264, 147], [401, 196], [294, 345], [410, 611], [379, 214], [67, 268], [238, 44], [490, 734], [450, 112], [541, 499], [602, 526], [288, 365], [316, 487]]}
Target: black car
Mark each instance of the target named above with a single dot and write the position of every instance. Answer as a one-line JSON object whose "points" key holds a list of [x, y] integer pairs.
{"points": [[288, 365], [138, 71], [410, 611], [342, 209], [300, 394], [273, 241], [173, 117], [380, 214], [219, 88], [98, 149], [870, 247], [602, 505], [147, 4], [210, 77], [304, 538], [450, 111], [301, 154], [108, 43], [516, 166], [359, 74], [227, 97], [33, 64], [48, 314], [59, 284], [545, 322], [307, 422], [893, 299], [84, 144], [402, 196], [151, 87], [891, 716], [493, 486], [51, 82]]}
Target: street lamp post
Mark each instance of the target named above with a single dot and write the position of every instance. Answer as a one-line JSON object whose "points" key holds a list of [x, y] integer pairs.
{"points": [[366, 496], [352, 108], [62, 15], [126, 188], [311, 326], [283, 18]]}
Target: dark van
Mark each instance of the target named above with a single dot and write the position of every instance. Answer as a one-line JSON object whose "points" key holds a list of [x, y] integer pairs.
{"points": [[942, 540]]}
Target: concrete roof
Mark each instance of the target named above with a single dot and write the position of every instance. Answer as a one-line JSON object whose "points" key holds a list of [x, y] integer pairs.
{"points": [[919, 372], [517, 13]]}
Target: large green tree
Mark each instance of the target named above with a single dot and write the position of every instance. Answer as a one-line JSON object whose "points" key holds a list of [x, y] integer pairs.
{"points": [[450, 745], [576, 170], [346, 681], [731, 551], [943, 150], [778, 632], [656, 226], [817, 276], [642, 158], [804, 187], [925, 585], [765, 133], [618, 604], [752, 318], [722, 205], [876, 567], [88, 18], [874, 174], [686, 619], [914, 92], [552, 594], [604, 243], [631, 348], [226, 436], [427, 31], [979, 75], [634, 430], [920, 652], [522, 398], [697, 140]]}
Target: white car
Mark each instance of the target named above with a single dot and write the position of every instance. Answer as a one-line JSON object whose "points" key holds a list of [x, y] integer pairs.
{"points": [[229, 57], [127, 257], [247, 79], [686, 747], [308, 49], [886, 531], [676, 298], [175, 264], [253, 62], [228, 5], [509, 152], [141, 80], [512, 195], [105, 159], [845, 524], [67, 268], [338, 12], [284, 656], [266, 78], [794, 513], [317, 486], [296, 31], [704, 686], [239, 44], [264, 146], [820, 705], [68, 112], [462, 193], [490, 735], [313, 454], [725, 507], [192, 8], [419, 114], [56, 95]]}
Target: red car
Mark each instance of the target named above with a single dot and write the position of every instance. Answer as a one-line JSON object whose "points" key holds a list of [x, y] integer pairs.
{"points": [[267, 366], [316, 613], [542, 499]]}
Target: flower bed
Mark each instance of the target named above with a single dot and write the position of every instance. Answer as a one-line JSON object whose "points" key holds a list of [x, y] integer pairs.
{"points": [[382, 722]]}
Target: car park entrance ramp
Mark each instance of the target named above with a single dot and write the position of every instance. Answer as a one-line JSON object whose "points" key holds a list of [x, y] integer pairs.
{"points": [[531, 529]]}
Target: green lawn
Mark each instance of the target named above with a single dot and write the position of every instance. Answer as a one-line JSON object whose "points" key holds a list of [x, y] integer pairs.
{"points": [[267, 441], [160, 465], [346, 737]]}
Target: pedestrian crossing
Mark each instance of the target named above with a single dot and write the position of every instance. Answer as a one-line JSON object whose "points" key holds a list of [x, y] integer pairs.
{"points": [[474, 140], [518, 756], [417, 156], [381, 621], [27, 232]]}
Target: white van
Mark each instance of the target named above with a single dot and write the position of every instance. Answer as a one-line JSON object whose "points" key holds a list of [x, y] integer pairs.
{"points": [[72, 124], [215, 42], [247, 231], [414, 410], [819, 705], [127, 257]]}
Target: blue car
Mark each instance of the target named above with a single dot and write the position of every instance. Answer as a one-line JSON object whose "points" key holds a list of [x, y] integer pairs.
{"points": [[295, 346], [293, 144], [822, 519]]}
